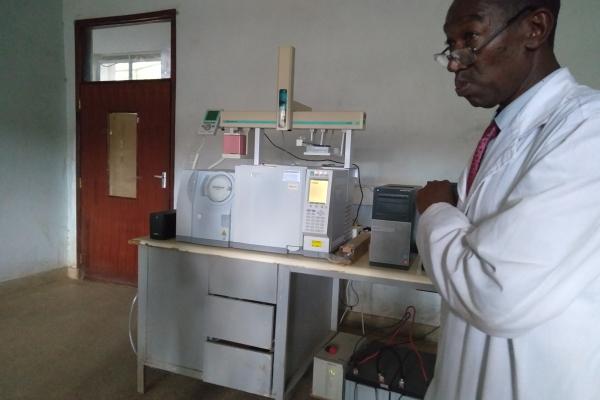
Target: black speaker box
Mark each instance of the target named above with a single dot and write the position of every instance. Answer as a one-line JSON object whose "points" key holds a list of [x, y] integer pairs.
{"points": [[162, 225]]}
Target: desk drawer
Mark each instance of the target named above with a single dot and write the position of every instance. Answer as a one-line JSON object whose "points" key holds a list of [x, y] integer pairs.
{"points": [[243, 279], [240, 321], [238, 368]]}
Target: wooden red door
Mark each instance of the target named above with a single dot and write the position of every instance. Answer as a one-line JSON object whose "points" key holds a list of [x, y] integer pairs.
{"points": [[108, 221]]}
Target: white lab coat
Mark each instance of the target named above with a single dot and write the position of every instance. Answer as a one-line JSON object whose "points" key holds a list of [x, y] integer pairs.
{"points": [[517, 262]]}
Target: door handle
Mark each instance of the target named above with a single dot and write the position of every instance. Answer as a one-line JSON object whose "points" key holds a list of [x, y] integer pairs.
{"points": [[163, 179]]}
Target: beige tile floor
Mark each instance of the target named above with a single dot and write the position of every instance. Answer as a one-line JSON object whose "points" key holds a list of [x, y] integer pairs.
{"points": [[67, 339]]}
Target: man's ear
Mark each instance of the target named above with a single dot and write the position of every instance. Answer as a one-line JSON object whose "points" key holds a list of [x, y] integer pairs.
{"points": [[538, 28]]}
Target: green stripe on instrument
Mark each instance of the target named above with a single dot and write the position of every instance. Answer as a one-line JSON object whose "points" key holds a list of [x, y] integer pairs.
{"points": [[264, 122], [326, 122], [247, 121]]}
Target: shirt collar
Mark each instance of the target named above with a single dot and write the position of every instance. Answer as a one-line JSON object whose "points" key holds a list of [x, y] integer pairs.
{"points": [[508, 114]]}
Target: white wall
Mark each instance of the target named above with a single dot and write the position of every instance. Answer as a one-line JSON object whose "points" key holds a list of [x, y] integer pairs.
{"points": [[350, 55], [129, 39], [33, 139], [374, 56]]}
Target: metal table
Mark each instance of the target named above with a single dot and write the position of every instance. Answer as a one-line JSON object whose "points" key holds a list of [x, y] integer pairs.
{"points": [[243, 319]]}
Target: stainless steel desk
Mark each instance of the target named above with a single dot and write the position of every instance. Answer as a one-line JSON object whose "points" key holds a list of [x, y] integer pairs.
{"points": [[243, 319]]}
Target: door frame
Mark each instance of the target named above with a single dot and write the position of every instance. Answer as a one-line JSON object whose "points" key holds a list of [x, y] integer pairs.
{"points": [[82, 28]]}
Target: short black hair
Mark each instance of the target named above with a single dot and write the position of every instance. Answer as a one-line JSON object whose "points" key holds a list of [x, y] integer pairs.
{"points": [[512, 7]]}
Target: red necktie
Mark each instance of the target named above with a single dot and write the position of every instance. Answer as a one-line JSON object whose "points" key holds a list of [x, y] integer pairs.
{"points": [[490, 133]]}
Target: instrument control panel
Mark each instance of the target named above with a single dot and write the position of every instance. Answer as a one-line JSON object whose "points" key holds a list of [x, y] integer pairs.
{"points": [[316, 205]]}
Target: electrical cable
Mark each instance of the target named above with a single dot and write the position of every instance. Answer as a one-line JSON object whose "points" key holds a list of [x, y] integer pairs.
{"points": [[394, 325], [331, 340], [350, 285], [356, 346], [322, 160], [362, 195], [362, 322], [219, 161], [401, 359], [133, 302], [405, 318], [414, 347], [353, 291], [197, 154], [400, 373], [343, 315], [348, 305], [295, 156], [369, 357], [422, 337], [390, 341], [403, 321], [380, 357]]}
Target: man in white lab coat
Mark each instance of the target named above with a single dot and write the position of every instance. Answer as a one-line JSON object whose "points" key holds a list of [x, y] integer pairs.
{"points": [[516, 255]]}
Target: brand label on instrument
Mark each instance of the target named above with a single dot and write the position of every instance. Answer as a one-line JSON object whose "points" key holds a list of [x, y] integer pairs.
{"points": [[291, 176], [316, 243]]}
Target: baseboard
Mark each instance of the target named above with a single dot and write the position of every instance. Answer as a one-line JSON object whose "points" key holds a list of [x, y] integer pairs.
{"points": [[16, 284], [74, 273]]}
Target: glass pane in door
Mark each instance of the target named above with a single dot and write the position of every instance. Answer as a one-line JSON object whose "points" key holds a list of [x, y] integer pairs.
{"points": [[129, 52], [122, 154]]}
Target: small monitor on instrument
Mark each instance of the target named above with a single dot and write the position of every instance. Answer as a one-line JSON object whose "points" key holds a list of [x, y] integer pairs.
{"points": [[210, 123], [317, 191]]}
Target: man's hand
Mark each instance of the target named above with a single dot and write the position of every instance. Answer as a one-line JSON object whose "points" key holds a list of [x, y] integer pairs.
{"points": [[435, 192]]}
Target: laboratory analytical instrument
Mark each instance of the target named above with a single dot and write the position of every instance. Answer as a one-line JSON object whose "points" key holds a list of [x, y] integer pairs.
{"points": [[327, 209], [289, 114], [266, 212], [393, 226], [204, 206], [291, 209], [295, 209]]}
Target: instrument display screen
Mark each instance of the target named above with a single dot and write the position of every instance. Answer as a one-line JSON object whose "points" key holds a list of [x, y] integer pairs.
{"points": [[211, 116], [317, 191]]}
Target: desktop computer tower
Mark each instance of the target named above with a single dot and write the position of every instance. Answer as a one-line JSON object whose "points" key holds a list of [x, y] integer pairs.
{"points": [[393, 226]]}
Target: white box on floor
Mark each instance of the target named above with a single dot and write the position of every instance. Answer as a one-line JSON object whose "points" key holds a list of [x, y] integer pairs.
{"points": [[329, 367]]}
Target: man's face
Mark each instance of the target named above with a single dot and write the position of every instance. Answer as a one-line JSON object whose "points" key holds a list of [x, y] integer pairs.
{"points": [[501, 66]]}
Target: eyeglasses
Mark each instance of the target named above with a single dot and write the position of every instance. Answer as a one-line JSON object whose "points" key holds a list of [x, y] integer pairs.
{"points": [[467, 56]]}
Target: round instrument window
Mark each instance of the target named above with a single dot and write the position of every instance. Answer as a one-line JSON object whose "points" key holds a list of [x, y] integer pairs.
{"points": [[219, 188]]}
